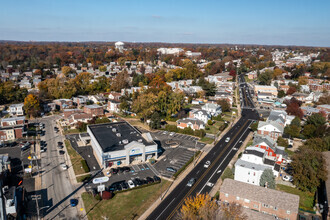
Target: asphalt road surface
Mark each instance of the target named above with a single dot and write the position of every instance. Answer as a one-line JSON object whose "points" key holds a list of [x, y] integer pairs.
{"points": [[56, 185], [220, 155]]}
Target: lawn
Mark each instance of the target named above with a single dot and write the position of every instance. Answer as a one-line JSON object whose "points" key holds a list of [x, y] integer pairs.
{"points": [[206, 140], [83, 177], [72, 131], [125, 205], [306, 201], [214, 129], [75, 159]]}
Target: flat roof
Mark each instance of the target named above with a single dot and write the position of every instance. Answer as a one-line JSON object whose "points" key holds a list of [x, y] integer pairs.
{"points": [[114, 136]]}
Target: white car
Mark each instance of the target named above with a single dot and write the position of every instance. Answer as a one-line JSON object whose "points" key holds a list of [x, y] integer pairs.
{"points": [[227, 139], [64, 166], [172, 134], [207, 164], [287, 178], [130, 184]]}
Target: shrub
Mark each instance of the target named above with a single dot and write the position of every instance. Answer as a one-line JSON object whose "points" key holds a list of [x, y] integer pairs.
{"points": [[210, 122], [107, 195], [85, 166], [171, 128], [98, 197]]}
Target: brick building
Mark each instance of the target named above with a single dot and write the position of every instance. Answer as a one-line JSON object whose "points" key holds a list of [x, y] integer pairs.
{"points": [[267, 201], [94, 110]]}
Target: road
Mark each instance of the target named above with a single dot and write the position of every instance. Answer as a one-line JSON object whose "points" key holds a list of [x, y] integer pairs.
{"points": [[56, 183], [219, 156]]}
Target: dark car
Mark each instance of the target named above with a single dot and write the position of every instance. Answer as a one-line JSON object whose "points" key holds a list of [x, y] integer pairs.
{"points": [[137, 182], [127, 169], [113, 171], [112, 188], [124, 185], [59, 143], [157, 179], [150, 180], [73, 202], [62, 152], [121, 169], [144, 182]]}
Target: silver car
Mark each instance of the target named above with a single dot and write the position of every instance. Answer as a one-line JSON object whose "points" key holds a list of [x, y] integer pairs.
{"points": [[191, 182]]}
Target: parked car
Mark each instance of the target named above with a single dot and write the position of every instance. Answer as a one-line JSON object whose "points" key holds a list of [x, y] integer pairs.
{"points": [[171, 169], [130, 184], [113, 171], [73, 202], [287, 178], [64, 166], [137, 182], [149, 180], [172, 134], [207, 164], [43, 149], [62, 152], [124, 185], [121, 169], [127, 169], [157, 179], [191, 182]]}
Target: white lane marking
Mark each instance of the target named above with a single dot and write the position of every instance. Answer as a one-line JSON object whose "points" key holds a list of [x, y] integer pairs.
{"points": [[225, 158], [165, 209]]}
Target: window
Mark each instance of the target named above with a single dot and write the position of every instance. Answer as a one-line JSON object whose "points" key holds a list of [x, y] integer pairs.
{"points": [[226, 194], [264, 205], [288, 212], [249, 173], [254, 174], [275, 208], [255, 206], [237, 198]]}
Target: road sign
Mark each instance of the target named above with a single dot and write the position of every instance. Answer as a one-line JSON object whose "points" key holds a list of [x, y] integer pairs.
{"points": [[101, 180], [100, 188]]}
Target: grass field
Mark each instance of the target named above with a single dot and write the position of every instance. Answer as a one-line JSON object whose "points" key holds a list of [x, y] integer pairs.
{"points": [[125, 205], [206, 140], [75, 159], [214, 129], [306, 201]]}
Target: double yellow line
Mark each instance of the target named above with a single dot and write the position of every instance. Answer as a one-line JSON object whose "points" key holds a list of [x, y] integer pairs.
{"points": [[206, 172]]}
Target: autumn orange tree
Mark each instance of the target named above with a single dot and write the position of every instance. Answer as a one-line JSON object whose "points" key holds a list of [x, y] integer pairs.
{"points": [[232, 211], [200, 207], [31, 105]]}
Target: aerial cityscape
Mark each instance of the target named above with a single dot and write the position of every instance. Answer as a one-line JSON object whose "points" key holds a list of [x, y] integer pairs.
{"points": [[215, 110]]}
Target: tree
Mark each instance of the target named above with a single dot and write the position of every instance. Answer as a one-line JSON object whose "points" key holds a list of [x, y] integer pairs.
{"points": [[282, 142], [291, 90], [225, 106], [309, 169], [232, 211], [267, 179], [145, 105], [200, 207], [66, 70], [265, 78], [317, 144], [155, 121], [31, 105], [102, 68], [120, 82], [296, 121], [281, 94], [309, 130], [303, 80], [293, 108], [254, 126], [316, 120], [292, 130], [81, 126], [277, 72]]}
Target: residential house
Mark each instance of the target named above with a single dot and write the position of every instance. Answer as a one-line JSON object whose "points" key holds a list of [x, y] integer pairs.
{"points": [[94, 110], [12, 128], [80, 100], [16, 109], [202, 115], [113, 106], [271, 128], [252, 75], [308, 111], [285, 88], [79, 117], [68, 112], [267, 201], [192, 123], [97, 98], [114, 96], [212, 108], [63, 103]]}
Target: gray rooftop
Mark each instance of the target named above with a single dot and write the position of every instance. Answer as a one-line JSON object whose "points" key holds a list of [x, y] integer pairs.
{"points": [[271, 197], [114, 136], [250, 165]]}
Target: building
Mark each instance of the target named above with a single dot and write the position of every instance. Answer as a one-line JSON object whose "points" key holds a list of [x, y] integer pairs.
{"points": [[119, 46], [12, 128], [120, 142], [94, 110], [63, 103], [212, 108], [192, 123], [267, 201], [202, 115], [16, 109], [271, 128], [193, 54], [113, 106], [171, 51], [265, 89]]}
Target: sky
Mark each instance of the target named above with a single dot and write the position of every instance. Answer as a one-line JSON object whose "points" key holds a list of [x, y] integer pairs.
{"points": [[279, 22]]}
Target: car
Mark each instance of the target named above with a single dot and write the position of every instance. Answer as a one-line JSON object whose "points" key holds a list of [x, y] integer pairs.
{"points": [[121, 169], [130, 184], [149, 180], [227, 139], [43, 149], [59, 143], [144, 182], [124, 185], [138, 182], [171, 169], [113, 171], [61, 152], [157, 179], [73, 202], [25, 146], [287, 178], [165, 132], [191, 182], [207, 164], [64, 166], [172, 134], [127, 169]]}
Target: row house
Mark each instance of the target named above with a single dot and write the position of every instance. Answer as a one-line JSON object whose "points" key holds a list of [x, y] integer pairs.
{"points": [[113, 106], [68, 112], [12, 128], [63, 103], [16, 109], [193, 123], [263, 200], [94, 110], [271, 128]]}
